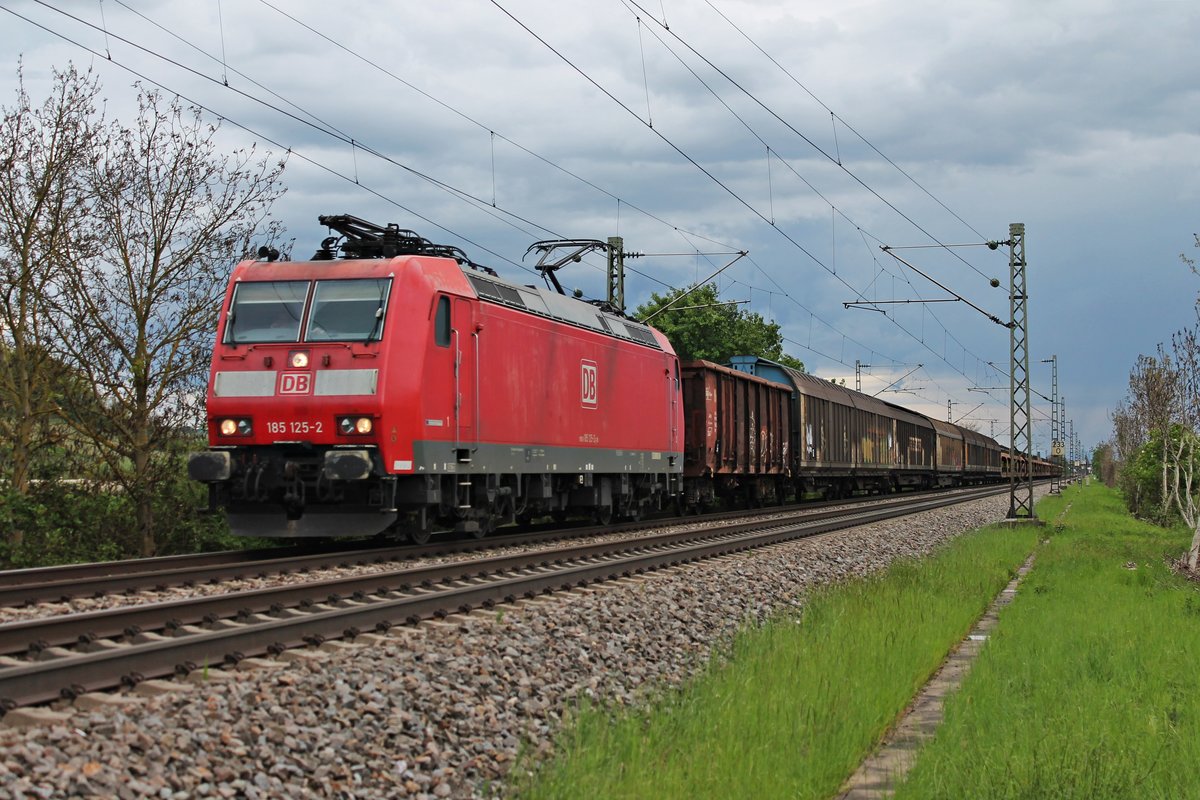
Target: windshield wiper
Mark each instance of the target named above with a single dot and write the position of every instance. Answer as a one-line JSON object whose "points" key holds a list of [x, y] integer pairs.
{"points": [[378, 322]]}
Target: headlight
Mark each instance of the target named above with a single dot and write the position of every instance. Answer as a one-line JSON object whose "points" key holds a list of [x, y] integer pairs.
{"points": [[355, 426], [298, 359], [235, 427]]}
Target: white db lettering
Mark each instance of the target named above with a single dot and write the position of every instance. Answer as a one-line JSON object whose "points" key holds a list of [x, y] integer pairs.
{"points": [[589, 389]]}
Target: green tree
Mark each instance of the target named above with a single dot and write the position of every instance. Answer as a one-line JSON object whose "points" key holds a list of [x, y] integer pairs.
{"points": [[700, 326], [44, 153], [1141, 480]]}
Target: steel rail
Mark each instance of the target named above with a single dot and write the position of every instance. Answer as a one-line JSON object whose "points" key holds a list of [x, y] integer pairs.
{"points": [[35, 635], [71, 675], [60, 584], [100, 580]]}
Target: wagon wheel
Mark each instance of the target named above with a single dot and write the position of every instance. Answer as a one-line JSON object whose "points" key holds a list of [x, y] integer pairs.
{"points": [[420, 534], [487, 524]]}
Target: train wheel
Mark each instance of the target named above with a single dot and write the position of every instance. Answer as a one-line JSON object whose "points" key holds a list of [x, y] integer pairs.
{"points": [[421, 528], [486, 526], [603, 515]]}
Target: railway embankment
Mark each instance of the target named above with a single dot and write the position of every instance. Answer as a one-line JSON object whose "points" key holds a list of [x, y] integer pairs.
{"points": [[1085, 686], [793, 705], [446, 708]]}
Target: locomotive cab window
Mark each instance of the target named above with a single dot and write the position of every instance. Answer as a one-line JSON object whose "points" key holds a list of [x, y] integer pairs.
{"points": [[441, 323], [266, 311], [348, 310]]}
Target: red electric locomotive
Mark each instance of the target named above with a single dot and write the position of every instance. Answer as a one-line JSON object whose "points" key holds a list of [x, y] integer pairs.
{"points": [[395, 385]]}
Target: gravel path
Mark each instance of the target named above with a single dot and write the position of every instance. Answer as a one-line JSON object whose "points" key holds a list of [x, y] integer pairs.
{"points": [[440, 710]]}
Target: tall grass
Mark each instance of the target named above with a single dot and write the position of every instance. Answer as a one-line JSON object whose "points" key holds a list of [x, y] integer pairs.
{"points": [[1091, 686], [793, 706]]}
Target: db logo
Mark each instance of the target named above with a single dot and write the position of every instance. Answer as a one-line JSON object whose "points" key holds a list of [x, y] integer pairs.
{"points": [[295, 383], [588, 384]]}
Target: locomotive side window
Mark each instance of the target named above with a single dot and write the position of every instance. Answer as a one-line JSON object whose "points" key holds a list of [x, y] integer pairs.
{"points": [[348, 310], [441, 323], [266, 311]]}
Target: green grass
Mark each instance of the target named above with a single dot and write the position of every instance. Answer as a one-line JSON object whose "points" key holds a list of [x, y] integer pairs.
{"points": [[1091, 686], [793, 706]]}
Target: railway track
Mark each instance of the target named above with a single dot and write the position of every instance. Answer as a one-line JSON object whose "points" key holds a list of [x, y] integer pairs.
{"points": [[60, 584], [67, 656]]}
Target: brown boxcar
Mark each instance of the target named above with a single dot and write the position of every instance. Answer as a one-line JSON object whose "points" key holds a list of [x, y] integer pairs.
{"points": [[950, 453], [983, 458], [735, 441], [845, 441]]}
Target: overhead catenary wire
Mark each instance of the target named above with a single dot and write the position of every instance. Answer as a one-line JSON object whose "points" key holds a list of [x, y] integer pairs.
{"points": [[452, 189], [848, 126], [833, 207], [853, 176], [862, 301], [261, 135], [618, 200]]}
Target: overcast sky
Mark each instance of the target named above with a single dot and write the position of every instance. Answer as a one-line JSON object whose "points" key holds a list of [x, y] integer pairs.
{"points": [[805, 133]]}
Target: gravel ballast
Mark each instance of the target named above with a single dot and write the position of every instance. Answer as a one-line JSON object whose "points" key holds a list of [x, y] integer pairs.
{"points": [[441, 710]]}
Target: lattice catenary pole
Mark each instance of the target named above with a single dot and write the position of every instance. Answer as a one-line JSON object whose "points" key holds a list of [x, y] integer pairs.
{"points": [[616, 272], [1056, 444], [1020, 482]]}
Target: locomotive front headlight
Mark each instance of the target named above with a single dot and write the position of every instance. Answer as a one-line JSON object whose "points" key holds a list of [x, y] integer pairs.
{"points": [[235, 427], [355, 426], [298, 359]]}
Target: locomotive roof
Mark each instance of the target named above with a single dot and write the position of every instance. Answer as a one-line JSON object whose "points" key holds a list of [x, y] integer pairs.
{"points": [[488, 287], [553, 305]]}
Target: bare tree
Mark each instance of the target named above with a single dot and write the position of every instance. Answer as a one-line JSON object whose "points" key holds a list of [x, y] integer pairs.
{"points": [[43, 152], [1105, 463], [1181, 448], [170, 216], [1183, 455], [1129, 436]]}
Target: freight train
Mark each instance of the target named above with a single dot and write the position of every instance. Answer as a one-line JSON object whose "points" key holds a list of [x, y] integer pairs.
{"points": [[392, 385]]}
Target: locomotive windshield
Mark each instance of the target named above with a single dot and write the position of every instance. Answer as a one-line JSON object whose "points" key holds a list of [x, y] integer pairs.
{"points": [[340, 311], [348, 310], [266, 311]]}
